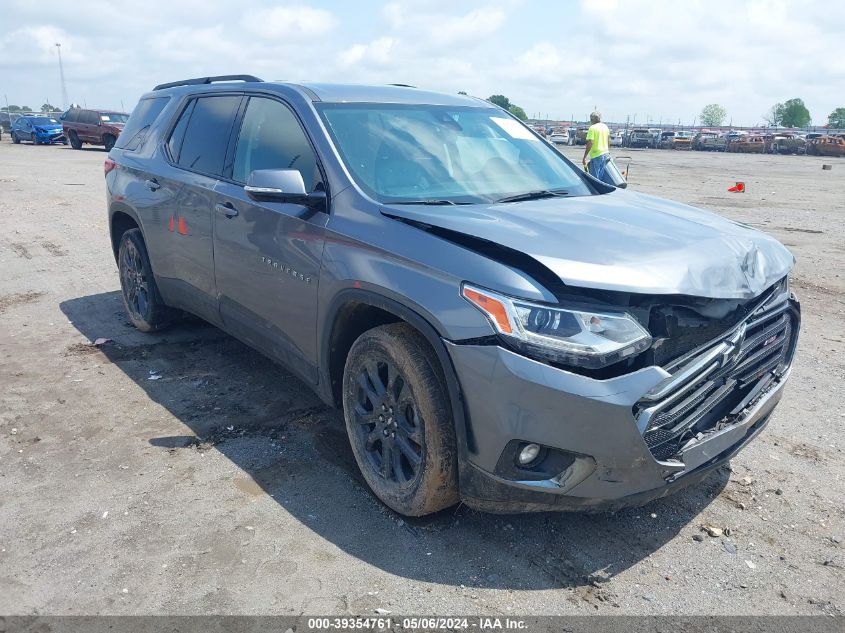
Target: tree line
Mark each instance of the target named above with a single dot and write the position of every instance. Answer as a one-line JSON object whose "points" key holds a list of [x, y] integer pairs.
{"points": [[790, 113], [46, 107]]}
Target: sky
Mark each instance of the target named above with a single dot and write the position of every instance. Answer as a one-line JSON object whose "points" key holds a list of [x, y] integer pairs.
{"points": [[655, 60]]}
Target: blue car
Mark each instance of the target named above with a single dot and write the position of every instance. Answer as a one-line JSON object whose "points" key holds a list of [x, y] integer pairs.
{"points": [[38, 129]]}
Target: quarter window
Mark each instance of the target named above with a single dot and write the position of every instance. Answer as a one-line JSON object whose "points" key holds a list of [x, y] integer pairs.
{"points": [[145, 113], [174, 143], [272, 138], [206, 134]]}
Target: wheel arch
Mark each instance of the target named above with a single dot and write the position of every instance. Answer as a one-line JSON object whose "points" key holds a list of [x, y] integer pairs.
{"points": [[352, 312], [122, 218]]}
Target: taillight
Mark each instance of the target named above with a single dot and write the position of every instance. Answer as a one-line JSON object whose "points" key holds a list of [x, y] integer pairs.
{"points": [[108, 165]]}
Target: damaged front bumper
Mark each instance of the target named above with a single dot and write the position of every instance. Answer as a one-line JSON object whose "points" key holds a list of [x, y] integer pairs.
{"points": [[608, 444]]}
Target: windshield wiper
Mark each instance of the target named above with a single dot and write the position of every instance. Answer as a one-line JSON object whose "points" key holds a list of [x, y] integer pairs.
{"points": [[430, 201], [534, 195]]}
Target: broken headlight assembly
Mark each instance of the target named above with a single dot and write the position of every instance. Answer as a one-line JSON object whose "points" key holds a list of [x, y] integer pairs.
{"points": [[575, 336]]}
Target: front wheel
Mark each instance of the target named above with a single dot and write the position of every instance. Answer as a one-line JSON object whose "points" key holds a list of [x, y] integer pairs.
{"points": [[141, 298], [399, 420], [15, 139], [109, 141]]}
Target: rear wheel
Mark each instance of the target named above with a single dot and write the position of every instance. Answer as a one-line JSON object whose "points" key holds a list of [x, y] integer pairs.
{"points": [[73, 137], [141, 298], [399, 420]]}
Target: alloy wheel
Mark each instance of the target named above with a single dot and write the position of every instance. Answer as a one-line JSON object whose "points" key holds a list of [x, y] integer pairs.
{"points": [[388, 424], [133, 279]]}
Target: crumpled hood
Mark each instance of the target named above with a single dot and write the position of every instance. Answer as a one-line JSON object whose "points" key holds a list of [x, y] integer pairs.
{"points": [[624, 241]]}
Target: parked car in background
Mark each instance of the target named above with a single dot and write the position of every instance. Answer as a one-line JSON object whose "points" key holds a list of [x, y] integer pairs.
{"points": [[709, 141], [733, 135], [471, 299], [664, 141], [580, 135], [617, 138], [93, 126], [784, 143], [826, 146], [655, 135], [682, 139], [640, 137], [6, 120], [37, 129], [748, 144], [559, 136]]}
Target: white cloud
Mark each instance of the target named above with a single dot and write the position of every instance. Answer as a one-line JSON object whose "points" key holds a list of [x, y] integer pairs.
{"points": [[440, 25], [187, 44], [377, 52], [38, 44], [289, 22], [624, 56]]}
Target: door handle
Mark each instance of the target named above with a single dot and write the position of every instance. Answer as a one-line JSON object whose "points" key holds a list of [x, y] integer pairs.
{"points": [[152, 184], [226, 209]]}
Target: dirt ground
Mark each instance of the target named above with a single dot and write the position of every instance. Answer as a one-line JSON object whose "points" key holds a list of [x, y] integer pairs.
{"points": [[184, 473]]}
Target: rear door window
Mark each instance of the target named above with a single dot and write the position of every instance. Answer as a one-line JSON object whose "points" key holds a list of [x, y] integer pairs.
{"points": [[89, 117], [142, 118], [206, 134]]}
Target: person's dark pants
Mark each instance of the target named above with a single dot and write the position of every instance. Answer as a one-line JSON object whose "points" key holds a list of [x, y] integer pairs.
{"points": [[597, 168]]}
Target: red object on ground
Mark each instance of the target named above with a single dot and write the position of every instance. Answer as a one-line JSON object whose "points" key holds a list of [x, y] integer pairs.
{"points": [[739, 187], [172, 225], [183, 228]]}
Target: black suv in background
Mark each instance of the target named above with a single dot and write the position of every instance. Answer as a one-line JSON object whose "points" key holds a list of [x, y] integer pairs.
{"points": [[498, 327], [6, 121], [94, 127]]}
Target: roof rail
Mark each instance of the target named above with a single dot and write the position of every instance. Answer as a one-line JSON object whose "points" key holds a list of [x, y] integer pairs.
{"points": [[206, 80], [402, 85]]}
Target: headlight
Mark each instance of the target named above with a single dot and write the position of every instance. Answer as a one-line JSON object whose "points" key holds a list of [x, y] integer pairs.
{"points": [[573, 336]]}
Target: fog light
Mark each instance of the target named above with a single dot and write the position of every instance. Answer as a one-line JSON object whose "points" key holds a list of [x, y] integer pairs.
{"points": [[528, 454]]}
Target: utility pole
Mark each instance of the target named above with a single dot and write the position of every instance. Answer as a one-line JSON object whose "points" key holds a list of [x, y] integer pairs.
{"points": [[62, 77]]}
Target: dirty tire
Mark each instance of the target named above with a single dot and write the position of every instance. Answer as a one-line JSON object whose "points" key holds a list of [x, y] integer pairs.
{"points": [[141, 298], [15, 139], [393, 365], [108, 142], [73, 137]]}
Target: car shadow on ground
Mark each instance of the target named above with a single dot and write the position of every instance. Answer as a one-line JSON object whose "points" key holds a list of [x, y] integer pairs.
{"points": [[91, 148], [293, 448]]}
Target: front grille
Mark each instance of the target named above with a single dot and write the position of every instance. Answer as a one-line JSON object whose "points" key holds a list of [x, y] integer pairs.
{"points": [[723, 387]]}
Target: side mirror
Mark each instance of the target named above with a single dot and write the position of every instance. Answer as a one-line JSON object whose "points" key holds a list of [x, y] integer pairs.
{"points": [[283, 185]]}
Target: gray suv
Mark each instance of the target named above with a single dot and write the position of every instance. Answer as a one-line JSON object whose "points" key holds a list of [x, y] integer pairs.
{"points": [[499, 328]]}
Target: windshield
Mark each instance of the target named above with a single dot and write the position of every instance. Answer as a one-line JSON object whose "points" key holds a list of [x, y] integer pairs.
{"points": [[114, 117], [402, 153], [43, 120]]}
